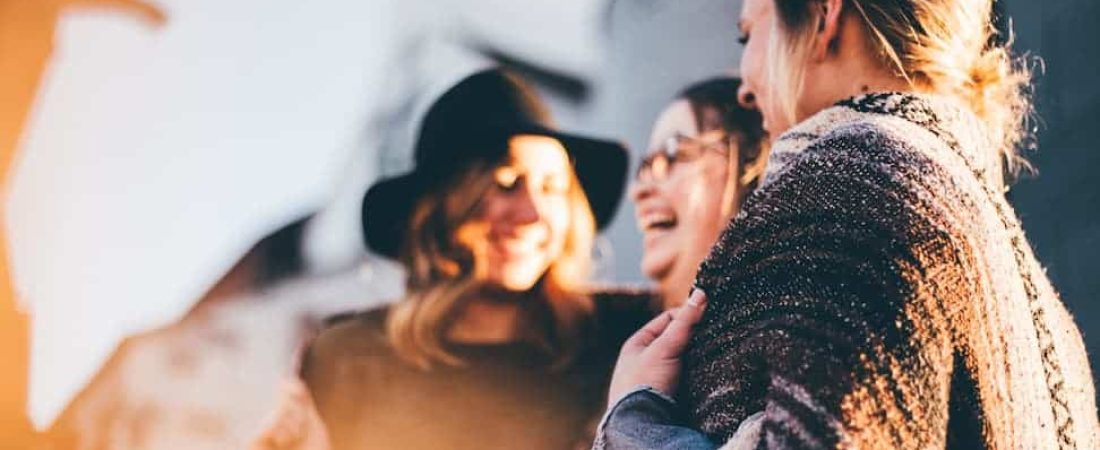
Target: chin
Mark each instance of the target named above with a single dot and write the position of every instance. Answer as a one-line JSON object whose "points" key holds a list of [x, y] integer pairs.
{"points": [[656, 269], [519, 280]]}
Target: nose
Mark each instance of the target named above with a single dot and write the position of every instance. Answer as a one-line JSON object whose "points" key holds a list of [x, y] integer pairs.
{"points": [[745, 97], [525, 208], [642, 189]]}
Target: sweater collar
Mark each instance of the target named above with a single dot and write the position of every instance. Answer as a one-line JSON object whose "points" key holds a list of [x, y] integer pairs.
{"points": [[944, 118]]}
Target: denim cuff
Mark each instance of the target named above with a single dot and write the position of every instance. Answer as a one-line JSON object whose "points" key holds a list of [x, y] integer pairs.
{"points": [[646, 418], [636, 395]]}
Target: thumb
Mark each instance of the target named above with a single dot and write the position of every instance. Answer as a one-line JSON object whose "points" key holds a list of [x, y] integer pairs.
{"points": [[650, 332], [671, 343]]}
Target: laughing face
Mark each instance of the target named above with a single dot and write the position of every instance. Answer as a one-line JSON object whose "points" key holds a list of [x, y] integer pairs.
{"points": [[684, 203], [521, 224]]}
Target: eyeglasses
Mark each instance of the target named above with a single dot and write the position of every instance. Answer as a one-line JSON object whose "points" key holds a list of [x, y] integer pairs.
{"points": [[679, 148]]}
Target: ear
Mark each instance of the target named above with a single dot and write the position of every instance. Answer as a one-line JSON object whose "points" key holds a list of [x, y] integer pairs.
{"points": [[828, 30]]}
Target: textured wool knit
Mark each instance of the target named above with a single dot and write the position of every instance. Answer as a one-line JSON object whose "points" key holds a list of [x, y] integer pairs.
{"points": [[877, 291]]}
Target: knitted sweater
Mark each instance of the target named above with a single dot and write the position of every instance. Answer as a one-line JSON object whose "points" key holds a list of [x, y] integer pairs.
{"points": [[877, 291]]}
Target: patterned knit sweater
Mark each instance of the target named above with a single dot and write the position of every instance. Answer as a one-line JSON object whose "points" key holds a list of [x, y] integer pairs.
{"points": [[877, 291]]}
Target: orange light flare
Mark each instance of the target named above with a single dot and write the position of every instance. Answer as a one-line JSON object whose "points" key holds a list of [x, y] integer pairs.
{"points": [[26, 44]]}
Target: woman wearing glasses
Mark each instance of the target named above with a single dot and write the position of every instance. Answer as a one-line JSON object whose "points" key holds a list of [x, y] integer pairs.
{"points": [[707, 153], [878, 290]]}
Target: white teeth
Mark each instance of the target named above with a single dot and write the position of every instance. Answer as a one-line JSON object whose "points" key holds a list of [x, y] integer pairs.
{"points": [[519, 245], [657, 219]]}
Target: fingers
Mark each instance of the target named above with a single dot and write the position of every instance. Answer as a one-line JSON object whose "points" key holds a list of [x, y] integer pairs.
{"points": [[697, 299], [280, 433], [156, 18], [672, 341], [298, 358], [650, 332], [287, 424], [150, 12], [296, 390]]}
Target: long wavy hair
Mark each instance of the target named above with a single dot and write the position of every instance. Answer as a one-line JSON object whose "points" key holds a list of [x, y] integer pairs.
{"points": [[442, 275]]}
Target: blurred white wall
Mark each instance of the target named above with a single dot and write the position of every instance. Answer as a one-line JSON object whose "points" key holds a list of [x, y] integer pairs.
{"points": [[156, 158]]}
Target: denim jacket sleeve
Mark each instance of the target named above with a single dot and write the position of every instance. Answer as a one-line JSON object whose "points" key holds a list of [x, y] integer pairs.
{"points": [[646, 419]]}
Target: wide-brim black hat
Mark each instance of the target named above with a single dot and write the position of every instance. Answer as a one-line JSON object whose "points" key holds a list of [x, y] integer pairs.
{"points": [[473, 121]]}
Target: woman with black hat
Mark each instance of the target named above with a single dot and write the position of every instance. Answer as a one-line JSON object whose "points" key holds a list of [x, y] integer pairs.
{"points": [[496, 344]]}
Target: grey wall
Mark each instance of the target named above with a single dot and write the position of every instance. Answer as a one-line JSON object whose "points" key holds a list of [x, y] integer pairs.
{"points": [[1060, 206]]}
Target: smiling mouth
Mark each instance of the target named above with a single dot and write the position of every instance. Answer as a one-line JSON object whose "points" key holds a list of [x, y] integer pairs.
{"points": [[658, 222], [518, 247]]}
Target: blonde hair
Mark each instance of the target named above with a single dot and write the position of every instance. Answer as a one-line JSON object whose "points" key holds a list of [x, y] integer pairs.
{"points": [[947, 47], [442, 275]]}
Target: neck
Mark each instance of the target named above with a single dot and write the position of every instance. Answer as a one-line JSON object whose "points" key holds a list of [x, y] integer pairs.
{"points": [[489, 318], [848, 71], [873, 82], [864, 81], [674, 289]]}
